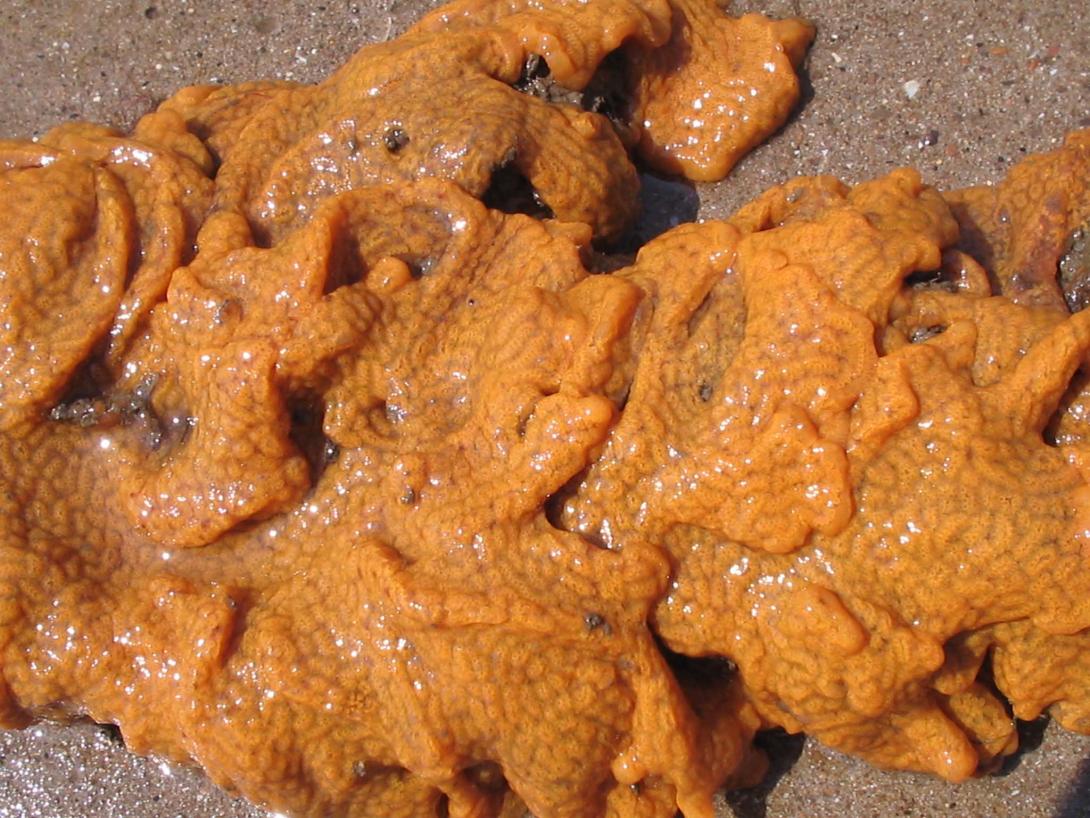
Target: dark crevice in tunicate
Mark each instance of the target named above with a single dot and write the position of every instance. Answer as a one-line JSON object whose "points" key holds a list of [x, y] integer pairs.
{"points": [[596, 622], [260, 235], [112, 734], [974, 240], [783, 751], [88, 406], [488, 776], [1069, 403], [555, 508], [537, 80], [511, 192], [307, 413], [705, 669], [395, 139], [346, 267], [1001, 765], [608, 92], [240, 602], [1074, 272], [919, 335], [1030, 736], [930, 280], [602, 261]]}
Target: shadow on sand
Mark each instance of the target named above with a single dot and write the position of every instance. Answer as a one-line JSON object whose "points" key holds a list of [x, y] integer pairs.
{"points": [[783, 751]]}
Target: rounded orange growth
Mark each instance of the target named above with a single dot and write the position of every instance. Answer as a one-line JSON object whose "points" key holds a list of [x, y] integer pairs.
{"points": [[370, 498]]}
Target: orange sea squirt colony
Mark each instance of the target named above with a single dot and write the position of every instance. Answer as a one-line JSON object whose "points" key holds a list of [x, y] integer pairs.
{"points": [[374, 501]]}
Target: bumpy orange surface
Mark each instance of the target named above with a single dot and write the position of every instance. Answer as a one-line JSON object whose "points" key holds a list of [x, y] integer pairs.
{"points": [[373, 501]]}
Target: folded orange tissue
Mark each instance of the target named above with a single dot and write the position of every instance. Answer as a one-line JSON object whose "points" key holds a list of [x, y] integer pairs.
{"points": [[344, 453]]}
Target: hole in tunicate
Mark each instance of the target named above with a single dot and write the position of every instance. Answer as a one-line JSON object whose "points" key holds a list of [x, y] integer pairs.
{"points": [[698, 669], [418, 266], [112, 734], [85, 391], [930, 280], [83, 412], [920, 334], [607, 92], [395, 139], [307, 414], [510, 191], [96, 409], [535, 67], [595, 621], [536, 79]]}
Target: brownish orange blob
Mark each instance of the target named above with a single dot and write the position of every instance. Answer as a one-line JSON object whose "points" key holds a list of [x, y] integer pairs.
{"points": [[319, 470], [840, 480]]}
